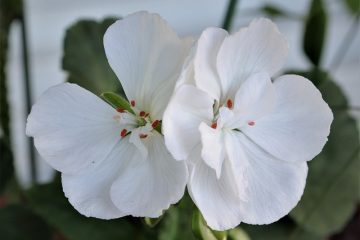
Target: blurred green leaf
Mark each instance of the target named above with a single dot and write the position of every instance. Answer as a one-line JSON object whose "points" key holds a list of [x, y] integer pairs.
{"points": [[10, 10], [315, 31], [284, 229], [19, 223], [332, 186], [50, 203], [6, 166], [273, 11], [176, 223], [238, 234], [152, 222], [353, 6], [202, 231], [84, 57]]}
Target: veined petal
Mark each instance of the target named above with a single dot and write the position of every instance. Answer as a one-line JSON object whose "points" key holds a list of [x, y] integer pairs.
{"points": [[274, 187], [237, 163], [89, 192], [257, 48], [188, 107], [147, 56], [73, 129], [136, 140], [255, 98], [212, 151], [147, 186], [207, 78], [214, 197], [298, 127]]}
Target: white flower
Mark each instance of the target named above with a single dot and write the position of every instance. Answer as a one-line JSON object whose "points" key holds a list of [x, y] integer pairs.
{"points": [[246, 139], [114, 163]]}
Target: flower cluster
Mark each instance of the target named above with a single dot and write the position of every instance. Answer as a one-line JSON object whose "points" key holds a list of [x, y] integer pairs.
{"points": [[205, 114]]}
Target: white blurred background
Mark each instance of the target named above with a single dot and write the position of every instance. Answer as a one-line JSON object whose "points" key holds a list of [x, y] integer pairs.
{"points": [[48, 19]]}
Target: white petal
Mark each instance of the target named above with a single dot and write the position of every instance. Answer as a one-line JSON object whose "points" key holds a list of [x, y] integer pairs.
{"points": [[274, 187], [298, 127], [188, 107], [207, 78], [214, 197], [136, 140], [89, 192], [257, 48], [237, 163], [187, 72], [147, 56], [72, 128], [255, 98], [147, 186], [212, 151]]}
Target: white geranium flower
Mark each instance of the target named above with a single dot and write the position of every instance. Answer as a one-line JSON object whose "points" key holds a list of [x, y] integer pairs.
{"points": [[246, 139], [114, 163]]}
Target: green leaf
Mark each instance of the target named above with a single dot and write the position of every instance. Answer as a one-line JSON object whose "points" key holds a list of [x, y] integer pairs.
{"points": [[50, 203], [273, 11], [152, 222], [315, 31], [284, 229], [117, 101], [238, 234], [353, 6], [332, 185], [176, 223], [10, 10], [6, 166], [202, 231], [20, 223], [84, 57]]}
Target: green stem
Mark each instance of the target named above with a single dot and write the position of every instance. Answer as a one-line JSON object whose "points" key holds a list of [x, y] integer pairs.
{"points": [[27, 81], [230, 12]]}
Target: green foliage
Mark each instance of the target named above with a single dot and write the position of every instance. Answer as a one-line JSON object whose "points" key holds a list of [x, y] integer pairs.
{"points": [[273, 11], [176, 223], [237, 234], [84, 57], [332, 186], [6, 166], [202, 231], [315, 31], [50, 203], [281, 230], [353, 6], [10, 10], [20, 223]]}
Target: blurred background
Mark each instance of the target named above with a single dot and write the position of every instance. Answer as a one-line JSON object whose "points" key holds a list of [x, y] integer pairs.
{"points": [[46, 42]]}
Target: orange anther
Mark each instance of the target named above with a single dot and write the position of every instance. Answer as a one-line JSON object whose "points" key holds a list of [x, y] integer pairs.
{"points": [[229, 103], [123, 132]]}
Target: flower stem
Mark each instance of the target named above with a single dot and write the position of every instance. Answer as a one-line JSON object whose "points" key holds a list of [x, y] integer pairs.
{"points": [[27, 81], [230, 12]]}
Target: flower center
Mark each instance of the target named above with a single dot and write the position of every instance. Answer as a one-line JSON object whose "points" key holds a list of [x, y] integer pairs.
{"points": [[137, 121], [225, 116]]}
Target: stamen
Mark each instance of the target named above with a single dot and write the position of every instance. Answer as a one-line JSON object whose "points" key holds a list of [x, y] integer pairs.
{"points": [[120, 110], [251, 123], [132, 102], [146, 115], [214, 125], [142, 114], [229, 103], [123, 132], [143, 135], [155, 123]]}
